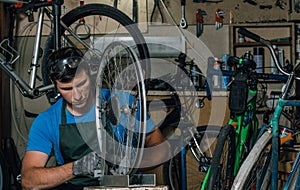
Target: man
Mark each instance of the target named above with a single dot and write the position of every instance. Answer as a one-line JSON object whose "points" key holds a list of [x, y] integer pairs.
{"points": [[55, 131]]}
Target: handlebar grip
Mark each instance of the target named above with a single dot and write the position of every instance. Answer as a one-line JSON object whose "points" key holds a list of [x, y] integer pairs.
{"points": [[233, 61], [249, 34]]}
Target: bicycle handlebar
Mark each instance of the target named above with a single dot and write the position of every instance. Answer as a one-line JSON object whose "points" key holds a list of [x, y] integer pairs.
{"points": [[249, 34], [268, 44], [264, 76], [34, 5]]}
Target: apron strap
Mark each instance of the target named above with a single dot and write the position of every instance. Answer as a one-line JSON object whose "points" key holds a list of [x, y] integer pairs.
{"points": [[63, 113]]}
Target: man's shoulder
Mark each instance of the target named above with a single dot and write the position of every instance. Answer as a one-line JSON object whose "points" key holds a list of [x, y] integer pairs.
{"points": [[53, 109], [51, 115]]}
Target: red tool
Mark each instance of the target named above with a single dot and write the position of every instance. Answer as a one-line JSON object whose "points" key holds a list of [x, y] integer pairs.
{"points": [[219, 16], [199, 21]]}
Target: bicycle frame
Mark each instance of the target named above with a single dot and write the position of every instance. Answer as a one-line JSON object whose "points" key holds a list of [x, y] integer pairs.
{"points": [[244, 123], [282, 102], [29, 89]]}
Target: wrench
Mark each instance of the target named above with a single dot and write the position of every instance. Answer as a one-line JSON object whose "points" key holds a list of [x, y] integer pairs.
{"points": [[183, 23]]}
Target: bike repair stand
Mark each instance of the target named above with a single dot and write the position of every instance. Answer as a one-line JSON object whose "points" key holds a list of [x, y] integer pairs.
{"points": [[126, 182]]}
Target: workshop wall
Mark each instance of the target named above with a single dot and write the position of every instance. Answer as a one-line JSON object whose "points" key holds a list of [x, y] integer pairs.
{"points": [[235, 10]]}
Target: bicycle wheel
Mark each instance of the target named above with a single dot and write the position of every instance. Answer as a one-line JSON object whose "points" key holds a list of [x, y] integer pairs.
{"points": [[198, 158], [255, 170], [293, 181], [91, 28], [121, 109], [222, 164]]}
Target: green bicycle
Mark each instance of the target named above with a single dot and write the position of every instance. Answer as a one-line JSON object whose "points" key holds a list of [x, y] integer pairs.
{"points": [[239, 135]]}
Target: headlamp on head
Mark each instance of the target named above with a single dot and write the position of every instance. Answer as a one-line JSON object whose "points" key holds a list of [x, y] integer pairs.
{"points": [[63, 63]]}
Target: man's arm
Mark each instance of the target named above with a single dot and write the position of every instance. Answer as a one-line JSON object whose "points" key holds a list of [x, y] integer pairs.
{"points": [[157, 150], [36, 176]]}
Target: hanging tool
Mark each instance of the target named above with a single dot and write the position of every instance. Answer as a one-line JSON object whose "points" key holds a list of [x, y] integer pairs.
{"points": [[280, 4], [251, 2], [199, 21], [265, 6], [81, 25], [116, 3], [183, 23], [290, 11], [297, 6], [134, 11], [219, 16], [156, 5]]}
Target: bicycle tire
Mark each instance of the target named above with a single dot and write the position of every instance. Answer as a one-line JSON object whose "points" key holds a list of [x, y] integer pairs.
{"points": [[206, 136], [4, 173], [222, 165], [121, 109], [250, 172], [100, 13]]}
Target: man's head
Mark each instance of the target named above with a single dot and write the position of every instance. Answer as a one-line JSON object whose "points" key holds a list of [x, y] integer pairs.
{"points": [[63, 64], [70, 73]]}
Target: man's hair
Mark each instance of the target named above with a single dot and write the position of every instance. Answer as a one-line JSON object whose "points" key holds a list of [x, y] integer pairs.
{"points": [[63, 64]]}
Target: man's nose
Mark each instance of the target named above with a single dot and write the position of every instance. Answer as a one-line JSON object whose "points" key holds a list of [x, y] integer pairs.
{"points": [[76, 93]]}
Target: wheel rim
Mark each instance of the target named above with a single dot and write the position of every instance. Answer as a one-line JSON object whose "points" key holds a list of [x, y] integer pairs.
{"points": [[119, 104]]}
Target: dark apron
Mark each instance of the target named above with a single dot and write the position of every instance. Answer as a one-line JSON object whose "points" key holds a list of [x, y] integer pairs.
{"points": [[77, 140]]}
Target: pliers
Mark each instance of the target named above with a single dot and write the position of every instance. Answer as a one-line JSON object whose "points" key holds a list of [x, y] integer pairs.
{"points": [[156, 5]]}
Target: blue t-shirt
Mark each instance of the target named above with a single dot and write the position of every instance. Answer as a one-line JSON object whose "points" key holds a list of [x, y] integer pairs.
{"points": [[44, 131]]}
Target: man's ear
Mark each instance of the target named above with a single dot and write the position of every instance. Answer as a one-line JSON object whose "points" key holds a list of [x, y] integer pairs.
{"points": [[55, 88]]}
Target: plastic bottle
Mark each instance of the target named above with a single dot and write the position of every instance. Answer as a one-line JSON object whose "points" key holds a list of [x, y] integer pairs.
{"points": [[216, 79], [259, 59], [298, 43], [225, 79], [281, 57]]}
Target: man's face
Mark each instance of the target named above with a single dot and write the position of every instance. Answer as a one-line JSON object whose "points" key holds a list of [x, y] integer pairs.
{"points": [[77, 92]]}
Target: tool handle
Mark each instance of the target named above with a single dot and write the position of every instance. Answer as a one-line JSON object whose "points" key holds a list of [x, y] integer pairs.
{"points": [[182, 2]]}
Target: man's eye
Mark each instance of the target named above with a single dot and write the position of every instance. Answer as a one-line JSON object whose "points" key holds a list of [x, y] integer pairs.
{"points": [[67, 89]]}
